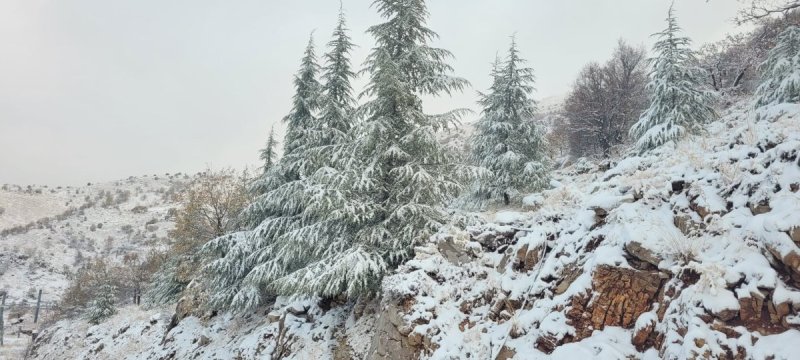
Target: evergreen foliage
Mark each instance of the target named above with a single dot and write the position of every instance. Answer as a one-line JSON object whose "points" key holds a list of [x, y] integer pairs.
{"points": [[781, 70], [165, 286], [268, 154], [305, 101], [287, 221], [103, 306], [679, 105], [400, 175], [360, 203], [507, 140]]}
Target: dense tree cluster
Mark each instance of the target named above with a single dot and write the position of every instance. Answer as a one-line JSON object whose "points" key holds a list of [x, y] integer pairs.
{"points": [[358, 186]]}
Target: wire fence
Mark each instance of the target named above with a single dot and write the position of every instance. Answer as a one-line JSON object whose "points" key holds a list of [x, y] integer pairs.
{"points": [[18, 319]]}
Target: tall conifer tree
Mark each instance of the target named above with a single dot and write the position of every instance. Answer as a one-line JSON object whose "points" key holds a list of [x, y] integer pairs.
{"points": [[781, 70], [679, 104], [288, 222], [268, 154], [507, 140]]}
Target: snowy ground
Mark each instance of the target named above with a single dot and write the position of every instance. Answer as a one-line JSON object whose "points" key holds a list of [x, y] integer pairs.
{"points": [[46, 233], [709, 221]]}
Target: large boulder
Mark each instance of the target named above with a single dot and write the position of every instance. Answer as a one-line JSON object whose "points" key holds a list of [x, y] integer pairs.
{"points": [[390, 339], [617, 298]]}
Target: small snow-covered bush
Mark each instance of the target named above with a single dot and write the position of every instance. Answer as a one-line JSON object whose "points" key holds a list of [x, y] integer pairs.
{"points": [[681, 248]]}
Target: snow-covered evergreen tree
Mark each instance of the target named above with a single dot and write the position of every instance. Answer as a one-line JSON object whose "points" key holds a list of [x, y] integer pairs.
{"points": [[679, 104], [403, 175], [781, 70], [305, 101], [337, 106], [103, 305], [375, 195], [507, 140], [268, 154], [291, 220]]}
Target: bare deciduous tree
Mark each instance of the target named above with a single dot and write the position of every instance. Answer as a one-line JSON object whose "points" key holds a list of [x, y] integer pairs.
{"points": [[732, 63], [761, 9], [211, 207], [605, 101]]}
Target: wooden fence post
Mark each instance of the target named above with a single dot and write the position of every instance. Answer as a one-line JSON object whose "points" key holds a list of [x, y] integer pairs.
{"points": [[2, 323], [38, 304]]}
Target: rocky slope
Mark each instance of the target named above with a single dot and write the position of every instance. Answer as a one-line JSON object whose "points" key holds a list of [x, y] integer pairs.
{"points": [[46, 233], [689, 252]]}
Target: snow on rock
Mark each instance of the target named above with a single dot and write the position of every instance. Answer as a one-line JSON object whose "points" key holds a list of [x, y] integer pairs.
{"points": [[685, 252]]}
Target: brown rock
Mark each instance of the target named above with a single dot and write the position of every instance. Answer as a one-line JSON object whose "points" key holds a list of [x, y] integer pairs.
{"points": [[702, 211], [465, 324], [729, 332], [526, 258], [699, 342], [750, 308], [727, 314], [452, 252], [505, 353], [498, 306], [641, 336], [343, 350], [761, 207], [273, 317], [783, 309], [415, 339], [640, 252], [599, 214], [620, 297], [791, 261], [568, 276], [686, 225], [794, 233], [546, 344], [465, 307], [387, 341]]}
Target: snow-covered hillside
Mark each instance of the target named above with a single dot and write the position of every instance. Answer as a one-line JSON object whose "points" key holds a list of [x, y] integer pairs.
{"points": [[688, 252], [47, 233]]}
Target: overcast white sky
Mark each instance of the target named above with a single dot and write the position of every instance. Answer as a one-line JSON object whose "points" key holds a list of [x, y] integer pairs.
{"points": [[95, 90]]}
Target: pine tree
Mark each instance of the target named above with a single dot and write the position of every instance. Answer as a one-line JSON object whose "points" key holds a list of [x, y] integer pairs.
{"points": [[288, 221], [305, 101], [103, 306], [374, 196], [338, 103], [300, 124], [507, 140], [401, 174], [679, 105], [781, 71], [268, 154]]}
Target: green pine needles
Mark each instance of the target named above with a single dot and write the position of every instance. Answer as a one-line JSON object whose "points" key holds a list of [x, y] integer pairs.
{"points": [[781, 71], [507, 140], [679, 103], [356, 188]]}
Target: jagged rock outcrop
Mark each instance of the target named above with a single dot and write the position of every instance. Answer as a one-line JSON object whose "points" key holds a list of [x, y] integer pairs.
{"points": [[391, 340], [617, 298]]}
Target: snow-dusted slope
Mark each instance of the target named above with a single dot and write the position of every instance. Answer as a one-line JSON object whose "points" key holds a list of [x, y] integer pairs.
{"points": [[49, 231], [21, 207], [690, 252], [46, 233]]}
